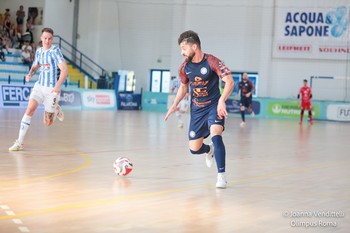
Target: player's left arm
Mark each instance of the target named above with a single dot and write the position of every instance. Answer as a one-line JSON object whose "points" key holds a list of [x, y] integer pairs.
{"points": [[252, 89], [63, 75], [228, 88], [310, 94]]}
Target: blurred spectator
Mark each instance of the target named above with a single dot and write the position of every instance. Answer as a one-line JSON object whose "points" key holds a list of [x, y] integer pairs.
{"points": [[29, 29], [1, 22], [27, 54], [3, 46], [7, 25], [21, 14], [14, 37], [7, 13]]}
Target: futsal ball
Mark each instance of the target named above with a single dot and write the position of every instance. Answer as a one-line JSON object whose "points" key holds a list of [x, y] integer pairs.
{"points": [[122, 166]]}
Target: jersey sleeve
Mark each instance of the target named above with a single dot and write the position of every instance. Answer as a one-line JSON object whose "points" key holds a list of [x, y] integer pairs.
{"points": [[218, 66], [183, 77], [251, 84], [36, 57], [58, 56]]}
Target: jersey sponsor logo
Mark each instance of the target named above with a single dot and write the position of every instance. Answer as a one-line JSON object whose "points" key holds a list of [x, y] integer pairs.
{"points": [[187, 73]]}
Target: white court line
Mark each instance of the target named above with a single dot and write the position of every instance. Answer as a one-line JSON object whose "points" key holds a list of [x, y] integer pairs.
{"points": [[17, 221], [10, 212], [23, 229], [4, 207]]}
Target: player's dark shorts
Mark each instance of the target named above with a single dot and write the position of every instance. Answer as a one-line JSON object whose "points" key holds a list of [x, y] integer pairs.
{"points": [[246, 101], [201, 120]]}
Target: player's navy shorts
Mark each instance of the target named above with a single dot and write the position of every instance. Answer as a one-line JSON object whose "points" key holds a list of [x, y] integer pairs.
{"points": [[201, 120], [246, 101]]}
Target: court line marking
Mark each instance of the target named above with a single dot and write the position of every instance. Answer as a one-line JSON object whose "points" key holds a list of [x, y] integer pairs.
{"points": [[92, 203], [85, 165]]}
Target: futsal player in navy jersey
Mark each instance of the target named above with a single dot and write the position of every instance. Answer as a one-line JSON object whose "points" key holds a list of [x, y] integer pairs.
{"points": [[47, 89], [247, 88], [201, 72]]}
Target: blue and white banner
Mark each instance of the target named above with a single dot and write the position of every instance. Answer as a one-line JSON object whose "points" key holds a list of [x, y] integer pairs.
{"points": [[314, 29], [14, 96]]}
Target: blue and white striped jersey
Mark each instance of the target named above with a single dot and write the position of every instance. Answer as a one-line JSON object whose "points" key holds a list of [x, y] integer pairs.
{"points": [[48, 62]]}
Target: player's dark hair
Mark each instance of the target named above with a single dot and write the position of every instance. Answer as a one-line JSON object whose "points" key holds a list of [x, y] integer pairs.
{"points": [[49, 30], [305, 80], [189, 37]]}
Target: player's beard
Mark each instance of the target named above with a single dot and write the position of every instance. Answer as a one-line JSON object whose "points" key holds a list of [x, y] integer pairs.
{"points": [[190, 56]]}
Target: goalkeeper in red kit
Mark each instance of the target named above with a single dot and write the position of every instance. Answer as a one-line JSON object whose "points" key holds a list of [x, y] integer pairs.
{"points": [[305, 94]]}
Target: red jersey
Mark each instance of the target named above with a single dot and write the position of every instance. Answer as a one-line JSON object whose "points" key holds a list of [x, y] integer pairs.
{"points": [[305, 93]]}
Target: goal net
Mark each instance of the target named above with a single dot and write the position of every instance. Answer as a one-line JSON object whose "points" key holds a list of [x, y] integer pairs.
{"points": [[330, 88]]}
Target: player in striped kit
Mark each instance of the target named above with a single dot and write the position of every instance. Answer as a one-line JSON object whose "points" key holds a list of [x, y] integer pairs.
{"points": [[48, 59]]}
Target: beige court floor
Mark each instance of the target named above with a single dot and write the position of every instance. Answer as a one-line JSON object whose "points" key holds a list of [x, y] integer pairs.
{"points": [[282, 177]]}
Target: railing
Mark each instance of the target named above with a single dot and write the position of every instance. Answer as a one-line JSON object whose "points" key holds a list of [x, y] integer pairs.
{"points": [[10, 80], [79, 60]]}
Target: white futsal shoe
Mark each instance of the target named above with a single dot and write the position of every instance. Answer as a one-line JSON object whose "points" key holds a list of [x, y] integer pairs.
{"points": [[16, 146], [242, 124], [221, 182], [60, 115], [209, 157]]}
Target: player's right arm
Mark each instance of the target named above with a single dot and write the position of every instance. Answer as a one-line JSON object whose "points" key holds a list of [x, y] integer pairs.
{"points": [[183, 89], [31, 72]]}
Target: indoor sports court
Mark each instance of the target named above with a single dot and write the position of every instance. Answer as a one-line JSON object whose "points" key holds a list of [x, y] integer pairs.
{"points": [[118, 65], [282, 177]]}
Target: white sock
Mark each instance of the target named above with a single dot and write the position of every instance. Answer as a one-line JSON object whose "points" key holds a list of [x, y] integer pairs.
{"points": [[55, 114], [25, 123], [178, 115], [221, 174]]}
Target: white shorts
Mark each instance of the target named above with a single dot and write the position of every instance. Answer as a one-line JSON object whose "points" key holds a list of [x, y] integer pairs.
{"points": [[45, 95], [183, 105], [171, 99]]}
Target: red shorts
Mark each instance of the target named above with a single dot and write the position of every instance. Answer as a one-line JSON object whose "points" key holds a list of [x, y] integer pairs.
{"points": [[306, 106]]}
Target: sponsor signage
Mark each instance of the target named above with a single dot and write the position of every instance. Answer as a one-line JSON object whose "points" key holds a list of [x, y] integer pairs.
{"points": [[14, 96], [289, 109], [129, 101], [99, 99], [232, 106], [338, 112], [70, 98], [311, 31]]}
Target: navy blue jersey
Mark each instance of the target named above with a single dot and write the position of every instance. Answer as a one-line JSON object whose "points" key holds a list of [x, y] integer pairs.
{"points": [[245, 87], [203, 78]]}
